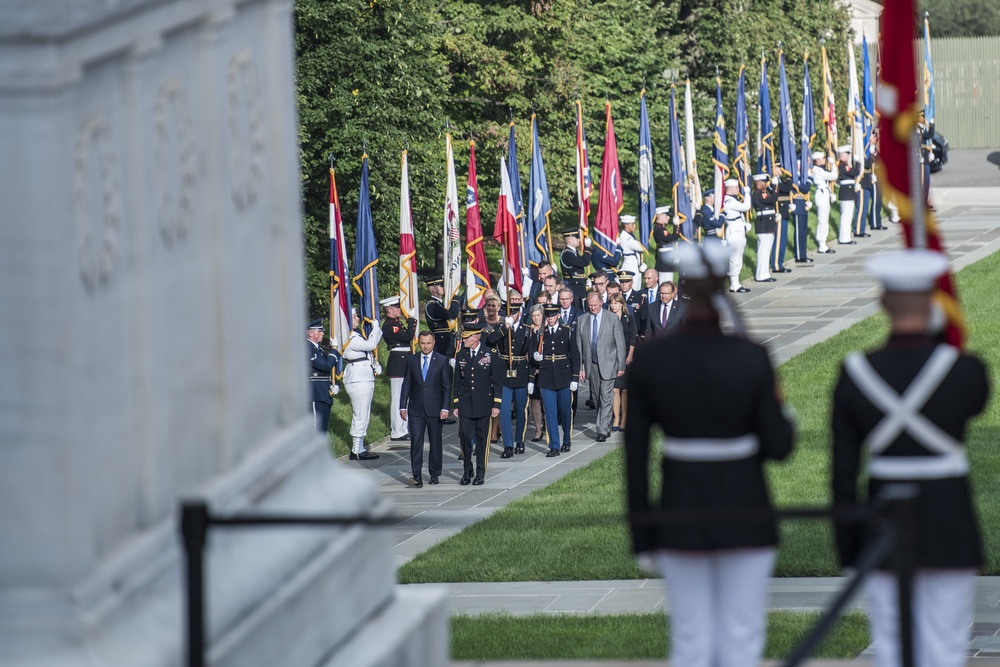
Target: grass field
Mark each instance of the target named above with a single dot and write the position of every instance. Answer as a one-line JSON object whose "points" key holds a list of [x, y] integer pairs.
{"points": [[572, 529], [494, 637]]}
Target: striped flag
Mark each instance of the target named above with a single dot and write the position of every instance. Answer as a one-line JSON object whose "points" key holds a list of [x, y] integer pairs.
{"points": [[539, 235], [340, 292], [682, 204], [505, 231], [365, 278], [477, 277], [742, 138], [867, 99], [829, 108], [854, 111], [584, 183], [899, 173], [452, 242], [647, 188], [609, 199], [720, 151], [691, 163], [514, 174], [409, 300]]}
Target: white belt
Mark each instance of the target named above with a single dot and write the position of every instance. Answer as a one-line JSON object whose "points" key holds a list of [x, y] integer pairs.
{"points": [[710, 449], [938, 466], [400, 349], [849, 181], [766, 211]]}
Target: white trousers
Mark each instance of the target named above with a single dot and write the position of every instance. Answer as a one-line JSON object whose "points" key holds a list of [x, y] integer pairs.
{"points": [[846, 221], [942, 609], [361, 406], [822, 219], [397, 427], [764, 244], [736, 241], [717, 605]]}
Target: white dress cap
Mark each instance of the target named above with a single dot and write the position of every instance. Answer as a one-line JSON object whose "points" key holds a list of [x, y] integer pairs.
{"points": [[390, 301], [911, 270], [704, 261], [627, 219]]}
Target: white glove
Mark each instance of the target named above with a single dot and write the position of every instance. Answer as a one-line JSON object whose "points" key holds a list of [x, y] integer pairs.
{"points": [[525, 273], [332, 344], [874, 179], [643, 267], [746, 192], [378, 368], [791, 208], [537, 356], [587, 242], [452, 362], [774, 180], [573, 385], [335, 389], [857, 187], [746, 226], [809, 205], [531, 388], [509, 321], [675, 220]]}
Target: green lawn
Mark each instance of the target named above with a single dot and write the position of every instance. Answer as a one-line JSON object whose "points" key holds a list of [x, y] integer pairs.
{"points": [[572, 529], [494, 637]]}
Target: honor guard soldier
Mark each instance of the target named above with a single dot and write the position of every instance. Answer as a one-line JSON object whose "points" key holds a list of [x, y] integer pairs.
{"points": [[361, 365], [737, 227], [764, 200], [717, 571], [438, 316], [666, 235], [786, 191], [398, 336], [847, 194], [557, 357], [632, 249], [875, 212], [512, 341], [322, 364], [573, 264], [799, 209], [821, 178], [905, 408], [478, 377], [713, 225], [865, 198]]}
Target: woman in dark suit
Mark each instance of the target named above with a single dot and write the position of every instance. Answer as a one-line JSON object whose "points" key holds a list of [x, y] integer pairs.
{"points": [[537, 313], [620, 308]]}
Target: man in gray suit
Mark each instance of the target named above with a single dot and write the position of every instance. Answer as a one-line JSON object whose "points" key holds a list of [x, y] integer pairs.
{"points": [[664, 316], [601, 340]]}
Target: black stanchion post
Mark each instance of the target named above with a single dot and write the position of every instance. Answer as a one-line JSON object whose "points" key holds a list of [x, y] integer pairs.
{"points": [[194, 530], [902, 510]]}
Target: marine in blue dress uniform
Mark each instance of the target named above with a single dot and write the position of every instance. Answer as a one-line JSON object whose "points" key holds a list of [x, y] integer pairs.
{"points": [[786, 188], [322, 364], [765, 201], [557, 357], [438, 315]]}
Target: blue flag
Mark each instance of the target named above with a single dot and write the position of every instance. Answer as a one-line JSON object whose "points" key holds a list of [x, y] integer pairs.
{"points": [[647, 189], [539, 246], [678, 176], [720, 150], [742, 139], [867, 98], [789, 152], [928, 74], [808, 130], [765, 128], [365, 280], [515, 188]]}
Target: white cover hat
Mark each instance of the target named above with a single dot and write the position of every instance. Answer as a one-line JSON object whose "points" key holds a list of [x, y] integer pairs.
{"points": [[627, 219], [390, 301], [844, 149], [707, 260], [911, 270], [730, 182], [818, 155], [662, 210]]}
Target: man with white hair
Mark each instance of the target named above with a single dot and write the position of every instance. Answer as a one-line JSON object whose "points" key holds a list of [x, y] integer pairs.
{"points": [[847, 174], [904, 409], [737, 227], [821, 178], [632, 249]]}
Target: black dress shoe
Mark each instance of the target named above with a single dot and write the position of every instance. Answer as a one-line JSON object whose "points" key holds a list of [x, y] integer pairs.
{"points": [[862, 236], [405, 437], [766, 280], [466, 478], [602, 437], [519, 448], [434, 479], [538, 439], [449, 420], [508, 452], [354, 457], [847, 242], [590, 404], [367, 456], [461, 456], [416, 483], [783, 270], [477, 481], [807, 260], [565, 448], [552, 452]]}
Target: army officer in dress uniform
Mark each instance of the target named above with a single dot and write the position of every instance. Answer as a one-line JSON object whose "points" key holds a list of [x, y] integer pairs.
{"points": [[907, 405], [557, 357], [478, 377], [322, 365], [717, 571], [573, 264], [398, 336]]}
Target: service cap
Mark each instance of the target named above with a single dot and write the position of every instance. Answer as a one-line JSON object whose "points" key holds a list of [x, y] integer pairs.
{"points": [[709, 260], [910, 270], [627, 219], [316, 324], [390, 301]]}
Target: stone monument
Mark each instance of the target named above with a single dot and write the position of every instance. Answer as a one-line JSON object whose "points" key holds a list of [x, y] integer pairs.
{"points": [[152, 348]]}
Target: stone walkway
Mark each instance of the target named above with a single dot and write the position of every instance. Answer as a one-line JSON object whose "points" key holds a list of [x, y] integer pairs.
{"points": [[804, 307]]}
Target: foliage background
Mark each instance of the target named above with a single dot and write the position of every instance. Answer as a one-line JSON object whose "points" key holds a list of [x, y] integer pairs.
{"points": [[389, 74]]}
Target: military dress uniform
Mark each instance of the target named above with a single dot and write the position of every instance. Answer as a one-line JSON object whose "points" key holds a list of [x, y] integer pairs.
{"points": [[573, 266], [398, 336], [717, 572], [478, 378], [847, 195], [359, 381], [666, 246], [512, 344], [322, 364], [713, 225], [865, 198], [557, 357], [821, 178], [438, 316], [736, 234], [786, 191], [765, 224], [908, 405], [632, 251]]}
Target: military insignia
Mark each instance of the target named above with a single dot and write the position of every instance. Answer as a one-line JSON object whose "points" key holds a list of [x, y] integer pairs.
{"points": [[485, 360], [395, 329]]}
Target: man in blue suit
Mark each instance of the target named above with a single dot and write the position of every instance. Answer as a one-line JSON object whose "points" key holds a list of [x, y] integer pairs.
{"points": [[423, 403]]}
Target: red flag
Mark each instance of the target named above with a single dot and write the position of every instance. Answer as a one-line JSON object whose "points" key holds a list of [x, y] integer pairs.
{"points": [[609, 199], [477, 277], [898, 169], [505, 231]]}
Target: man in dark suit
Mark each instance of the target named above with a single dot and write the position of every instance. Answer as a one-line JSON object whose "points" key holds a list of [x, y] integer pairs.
{"points": [[423, 404], [568, 312], [322, 364], [478, 376], [665, 315]]}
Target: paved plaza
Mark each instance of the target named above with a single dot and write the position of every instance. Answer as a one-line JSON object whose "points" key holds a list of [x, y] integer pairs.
{"points": [[807, 306]]}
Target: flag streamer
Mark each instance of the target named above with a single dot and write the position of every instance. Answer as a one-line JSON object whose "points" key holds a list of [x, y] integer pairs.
{"points": [[506, 232], [584, 183], [451, 238], [340, 293]]}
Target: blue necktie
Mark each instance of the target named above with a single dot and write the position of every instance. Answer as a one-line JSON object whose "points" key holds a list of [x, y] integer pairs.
{"points": [[593, 339], [425, 368]]}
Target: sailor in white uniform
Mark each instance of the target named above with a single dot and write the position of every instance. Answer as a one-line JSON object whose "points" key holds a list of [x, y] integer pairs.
{"points": [[737, 227], [632, 249], [821, 178]]}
